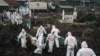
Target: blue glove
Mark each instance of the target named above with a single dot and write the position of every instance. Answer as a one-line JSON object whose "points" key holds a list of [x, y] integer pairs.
{"points": [[18, 39], [40, 47]]}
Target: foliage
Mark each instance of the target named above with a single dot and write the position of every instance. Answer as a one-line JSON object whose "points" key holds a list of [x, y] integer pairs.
{"points": [[61, 41], [88, 31], [53, 19], [88, 17], [74, 26]]}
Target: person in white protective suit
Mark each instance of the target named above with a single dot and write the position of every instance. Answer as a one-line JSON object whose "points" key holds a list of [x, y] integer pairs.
{"points": [[22, 36], [28, 23], [18, 19], [39, 44], [71, 42], [41, 31], [8, 14], [50, 39], [20, 11], [56, 31], [75, 13], [15, 13], [30, 13], [63, 14], [40, 40], [12, 18], [85, 51], [35, 18]]}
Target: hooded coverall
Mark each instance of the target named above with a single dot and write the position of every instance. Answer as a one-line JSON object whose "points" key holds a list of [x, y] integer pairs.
{"points": [[71, 42], [85, 51], [40, 39], [22, 35], [63, 15], [56, 31], [50, 39]]}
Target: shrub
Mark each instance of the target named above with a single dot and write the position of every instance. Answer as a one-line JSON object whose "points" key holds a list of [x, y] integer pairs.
{"points": [[88, 31], [88, 17]]}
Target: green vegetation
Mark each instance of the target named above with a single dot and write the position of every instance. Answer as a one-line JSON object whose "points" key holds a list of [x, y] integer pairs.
{"points": [[88, 31], [88, 17]]}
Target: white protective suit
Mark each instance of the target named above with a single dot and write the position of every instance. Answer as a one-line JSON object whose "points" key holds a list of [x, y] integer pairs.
{"points": [[74, 14], [18, 19], [8, 14], [41, 31], [50, 39], [39, 44], [13, 19], [30, 13], [56, 31], [40, 39], [63, 15], [85, 51], [22, 35], [71, 43]]}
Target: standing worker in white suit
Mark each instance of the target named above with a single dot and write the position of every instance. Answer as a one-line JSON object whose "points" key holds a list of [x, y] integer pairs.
{"points": [[75, 13], [40, 40], [22, 36], [56, 31], [50, 39], [8, 14], [30, 13], [13, 18], [63, 14], [71, 42], [85, 51], [41, 31]]}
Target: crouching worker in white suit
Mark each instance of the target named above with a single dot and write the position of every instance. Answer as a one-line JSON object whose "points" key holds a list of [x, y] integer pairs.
{"points": [[22, 36], [71, 43], [39, 44], [85, 51], [50, 39], [56, 31], [40, 39]]}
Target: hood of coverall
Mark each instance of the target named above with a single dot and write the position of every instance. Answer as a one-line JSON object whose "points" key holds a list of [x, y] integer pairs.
{"points": [[69, 34], [23, 30], [41, 27], [53, 26], [84, 44]]}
